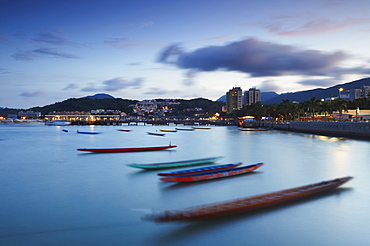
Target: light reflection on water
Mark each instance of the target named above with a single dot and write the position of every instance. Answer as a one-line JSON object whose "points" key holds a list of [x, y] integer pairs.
{"points": [[52, 193]]}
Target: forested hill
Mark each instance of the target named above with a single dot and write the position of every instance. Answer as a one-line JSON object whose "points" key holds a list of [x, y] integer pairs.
{"points": [[87, 104], [333, 91]]}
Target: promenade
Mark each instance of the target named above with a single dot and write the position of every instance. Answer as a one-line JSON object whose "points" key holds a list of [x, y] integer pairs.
{"points": [[341, 129]]}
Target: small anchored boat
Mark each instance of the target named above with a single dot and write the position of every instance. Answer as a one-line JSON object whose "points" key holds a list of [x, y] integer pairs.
{"points": [[200, 170], [135, 149], [123, 130], [168, 130], [246, 204], [185, 129], [254, 129], [176, 163], [79, 132], [213, 174], [156, 133]]}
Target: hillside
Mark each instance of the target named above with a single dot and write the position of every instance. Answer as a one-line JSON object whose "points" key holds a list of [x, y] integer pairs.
{"points": [[302, 96], [87, 104], [100, 96]]}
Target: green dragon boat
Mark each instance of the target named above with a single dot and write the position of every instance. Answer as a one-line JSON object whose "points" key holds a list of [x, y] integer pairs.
{"points": [[177, 163]]}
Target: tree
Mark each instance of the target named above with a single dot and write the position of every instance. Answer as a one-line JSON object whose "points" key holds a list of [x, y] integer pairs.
{"points": [[340, 105]]}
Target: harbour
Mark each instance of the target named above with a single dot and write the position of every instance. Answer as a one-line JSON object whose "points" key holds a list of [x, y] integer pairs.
{"points": [[53, 193]]}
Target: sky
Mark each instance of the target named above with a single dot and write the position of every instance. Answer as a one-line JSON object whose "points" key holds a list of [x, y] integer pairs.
{"points": [[52, 50]]}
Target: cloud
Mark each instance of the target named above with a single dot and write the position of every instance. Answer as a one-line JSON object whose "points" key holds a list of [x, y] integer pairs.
{"points": [[51, 38], [32, 93], [189, 78], [149, 23], [269, 85], [306, 24], [318, 82], [70, 87], [4, 71], [254, 57], [115, 84], [122, 43], [159, 91], [156, 91], [216, 38], [319, 26], [3, 38], [42, 53]]}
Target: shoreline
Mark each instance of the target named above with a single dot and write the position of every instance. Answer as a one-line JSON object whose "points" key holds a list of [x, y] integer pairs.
{"points": [[359, 130]]}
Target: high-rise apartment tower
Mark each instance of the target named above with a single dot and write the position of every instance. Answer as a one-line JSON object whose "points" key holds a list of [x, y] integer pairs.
{"points": [[253, 95], [234, 99]]}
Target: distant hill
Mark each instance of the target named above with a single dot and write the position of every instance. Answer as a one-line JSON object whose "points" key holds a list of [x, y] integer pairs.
{"points": [[333, 91], [265, 96], [99, 96]]}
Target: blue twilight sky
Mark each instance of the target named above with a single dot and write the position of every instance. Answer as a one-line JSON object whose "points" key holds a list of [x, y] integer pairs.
{"points": [[51, 50]]}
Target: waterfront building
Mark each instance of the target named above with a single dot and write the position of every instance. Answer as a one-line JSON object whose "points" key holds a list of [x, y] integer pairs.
{"points": [[357, 93], [353, 115], [234, 99], [251, 96], [29, 115]]}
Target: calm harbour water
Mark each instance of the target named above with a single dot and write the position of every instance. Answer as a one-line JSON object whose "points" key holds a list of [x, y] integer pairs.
{"points": [[52, 194]]}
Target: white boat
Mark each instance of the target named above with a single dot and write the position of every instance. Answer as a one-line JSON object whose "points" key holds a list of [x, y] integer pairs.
{"points": [[58, 123]]}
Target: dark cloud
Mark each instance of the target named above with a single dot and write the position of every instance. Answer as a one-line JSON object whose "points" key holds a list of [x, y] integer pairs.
{"points": [[42, 53], [70, 87], [254, 57], [318, 82], [32, 93], [115, 84], [269, 85]]}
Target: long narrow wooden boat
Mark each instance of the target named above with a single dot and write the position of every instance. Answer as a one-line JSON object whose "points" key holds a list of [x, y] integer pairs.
{"points": [[254, 129], [185, 129], [201, 170], [214, 174], [136, 149], [123, 130], [246, 204], [156, 133], [168, 130], [176, 163], [79, 132], [201, 128]]}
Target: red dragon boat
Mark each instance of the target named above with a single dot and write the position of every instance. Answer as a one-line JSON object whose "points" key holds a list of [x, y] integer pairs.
{"points": [[214, 174], [246, 204], [135, 149], [201, 170]]}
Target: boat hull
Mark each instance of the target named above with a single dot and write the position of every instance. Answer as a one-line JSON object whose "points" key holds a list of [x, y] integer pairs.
{"points": [[213, 174], [58, 123], [164, 130], [91, 133], [156, 134], [176, 163], [138, 149], [247, 204], [200, 170]]}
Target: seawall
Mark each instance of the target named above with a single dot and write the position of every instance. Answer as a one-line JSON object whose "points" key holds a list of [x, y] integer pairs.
{"points": [[344, 129]]}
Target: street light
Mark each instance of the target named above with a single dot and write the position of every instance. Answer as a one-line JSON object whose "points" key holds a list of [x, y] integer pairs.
{"points": [[340, 92]]}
